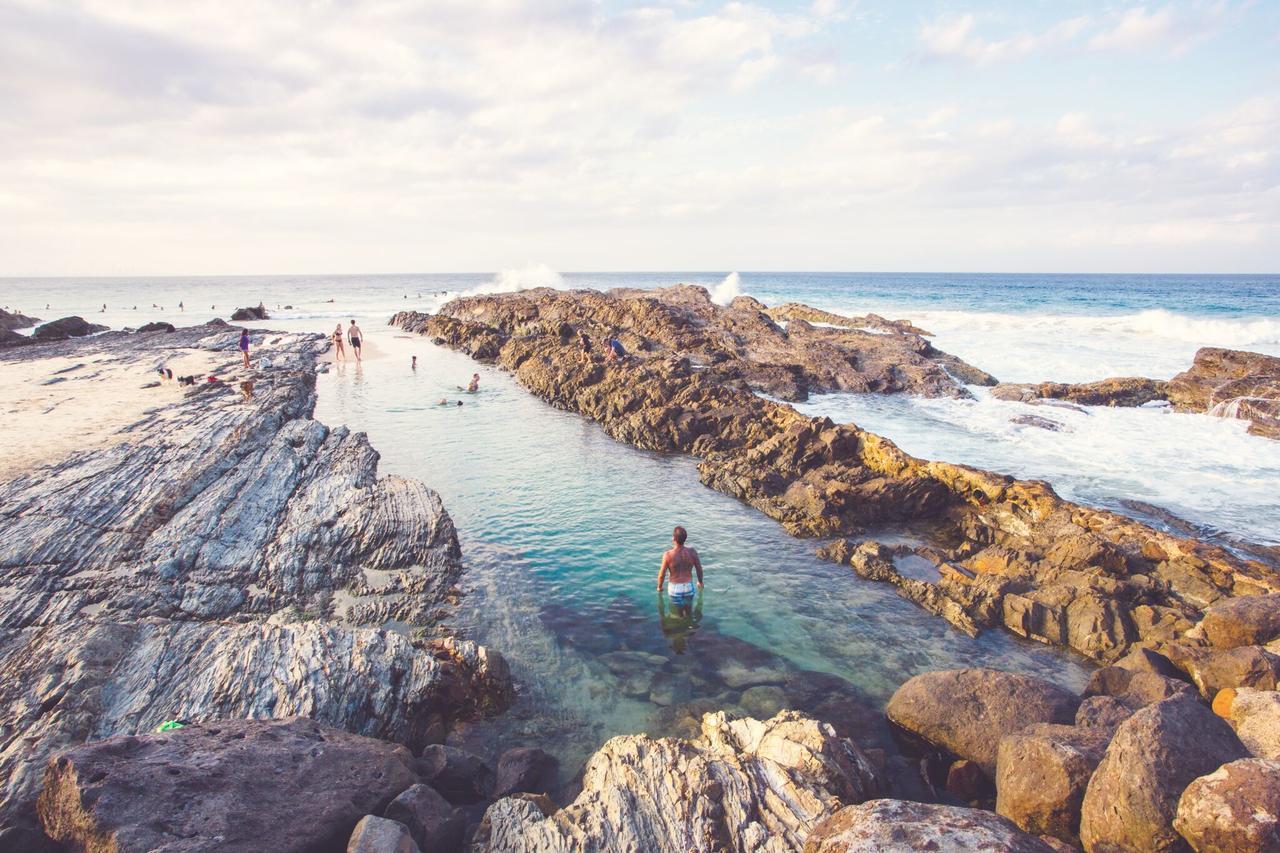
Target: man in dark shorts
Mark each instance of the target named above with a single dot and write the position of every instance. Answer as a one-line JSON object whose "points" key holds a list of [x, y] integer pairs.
{"points": [[585, 343], [354, 336], [681, 562]]}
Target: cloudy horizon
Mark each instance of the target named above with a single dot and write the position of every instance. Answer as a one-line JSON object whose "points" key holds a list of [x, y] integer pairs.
{"points": [[251, 137]]}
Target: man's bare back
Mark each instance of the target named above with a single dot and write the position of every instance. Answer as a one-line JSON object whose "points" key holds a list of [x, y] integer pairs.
{"points": [[681, 562]]}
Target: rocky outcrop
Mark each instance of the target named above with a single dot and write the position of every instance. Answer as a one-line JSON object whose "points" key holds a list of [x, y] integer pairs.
{"points": [[1214, 670], [1249, 621], [968, 711], [1041, 776], [1235, 808], [742, 785], [156, 327], [67, 327], [1053, 571], [225, 557], [243, 314], [790, 311], [10, 320], [1133, 795], [1232, 384], [896, 826], [249, 784], [1119, 391]]}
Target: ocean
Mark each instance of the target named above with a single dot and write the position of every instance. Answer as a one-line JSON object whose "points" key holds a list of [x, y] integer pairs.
{"points": [[562, 528]]}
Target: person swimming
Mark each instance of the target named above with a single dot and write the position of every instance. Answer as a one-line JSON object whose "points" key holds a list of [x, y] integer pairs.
{"points": [[474, 385], [681, 562]]}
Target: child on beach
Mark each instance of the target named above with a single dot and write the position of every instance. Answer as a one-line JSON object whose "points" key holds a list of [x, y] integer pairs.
{"points": [[244, 345]]}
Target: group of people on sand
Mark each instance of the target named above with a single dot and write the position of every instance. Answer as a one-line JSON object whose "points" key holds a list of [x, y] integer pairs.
{"points": [[353, 335]]}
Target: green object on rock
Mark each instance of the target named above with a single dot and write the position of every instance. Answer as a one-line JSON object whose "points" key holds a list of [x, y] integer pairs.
{"points": [[170, 725]]}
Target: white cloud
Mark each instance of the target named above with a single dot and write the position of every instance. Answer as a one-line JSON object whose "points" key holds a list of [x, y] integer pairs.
{"points": [[1170, 27], [955, 39]]}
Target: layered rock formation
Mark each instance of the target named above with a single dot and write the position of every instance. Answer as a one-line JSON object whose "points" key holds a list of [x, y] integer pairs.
{"points": [[1221, 382], [1012, 552], [225, 556], [10, 320], [742, 785]]}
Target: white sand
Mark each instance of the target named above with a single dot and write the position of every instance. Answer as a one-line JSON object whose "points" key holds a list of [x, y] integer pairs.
{"points": [[40, 424]]}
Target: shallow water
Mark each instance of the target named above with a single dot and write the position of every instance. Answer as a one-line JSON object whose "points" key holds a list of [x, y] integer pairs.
{"points": [[562, 530]]}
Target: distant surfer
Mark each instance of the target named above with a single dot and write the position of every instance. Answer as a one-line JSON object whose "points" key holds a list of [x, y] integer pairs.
{"points": [[680, 563]]}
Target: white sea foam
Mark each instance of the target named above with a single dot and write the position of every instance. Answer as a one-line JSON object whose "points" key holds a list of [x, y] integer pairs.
{"points": [[727, 290], [526, 277]]}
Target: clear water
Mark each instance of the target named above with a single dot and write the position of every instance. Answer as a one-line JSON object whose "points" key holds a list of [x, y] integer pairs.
{"points": [[563, 528]]}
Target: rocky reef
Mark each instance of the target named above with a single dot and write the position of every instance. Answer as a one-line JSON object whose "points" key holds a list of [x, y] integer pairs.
{"points": [[1221, 382], [225, 556], [1008, 553]]}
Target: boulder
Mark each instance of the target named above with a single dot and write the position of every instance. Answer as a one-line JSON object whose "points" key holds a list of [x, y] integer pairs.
{"points": [[1242, 666], [1235, 808], [291, 784], [1132, 798], [525, 769], [745, 785], [243, 314], [67, 327], [435, 825], [10, 320], [968, 711], [1231, 384], [1041, 776], [1141, 659], [1255, 715], [457, 774], [1253, 620], [375, 834], [899, 826], [12, 339], [156, 327], [1103, 712], [1135, 689]]}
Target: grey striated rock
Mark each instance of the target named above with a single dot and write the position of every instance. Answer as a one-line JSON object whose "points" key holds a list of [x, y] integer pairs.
{"points": [[284, 785], [1133, 795], [898, 826], [223, 558], [968, 711], [1235, 808], [743, 785]]}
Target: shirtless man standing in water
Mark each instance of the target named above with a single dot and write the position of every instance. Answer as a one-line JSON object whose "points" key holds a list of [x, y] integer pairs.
{"points": [[681, 562]]}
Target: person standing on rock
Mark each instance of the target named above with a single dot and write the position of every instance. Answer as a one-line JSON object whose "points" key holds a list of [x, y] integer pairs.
{"points": [[680, 562], [354, 335], [585, 343], [244, 345]]}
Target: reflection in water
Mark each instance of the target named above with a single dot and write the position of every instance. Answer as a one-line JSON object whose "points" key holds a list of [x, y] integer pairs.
{"points": [[679, 620]]}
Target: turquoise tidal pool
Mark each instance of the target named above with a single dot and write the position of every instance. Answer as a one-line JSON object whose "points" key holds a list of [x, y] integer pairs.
{"points": [[562, 531]]}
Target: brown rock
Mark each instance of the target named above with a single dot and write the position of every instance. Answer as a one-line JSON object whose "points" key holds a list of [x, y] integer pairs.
{"points": [[375, 834], [434, 824], [525, 769], [968, 711], [966, 780], [1255, 714], [1253, 620], [1232, 384], [290, 784], [899, 826], [1120, 391], [457, 774], [1235, 808], [1132, 797], [1103, 712], [1041, 776], [1243, 666]]}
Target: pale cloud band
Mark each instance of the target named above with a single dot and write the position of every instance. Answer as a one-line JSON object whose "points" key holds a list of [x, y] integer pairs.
{"points": [[153, 137]]}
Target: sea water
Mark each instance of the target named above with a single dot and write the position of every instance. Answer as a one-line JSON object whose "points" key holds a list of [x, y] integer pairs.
{"points": [[562, 528]]}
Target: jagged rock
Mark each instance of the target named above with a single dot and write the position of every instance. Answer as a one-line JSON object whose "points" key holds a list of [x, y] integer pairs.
{"points": [[1214, 670], [243, 314], [1253, 620], [457, 774], [1041, 776], [1132, 798], [435, 825], [525, 770], [968, 711], [1235, 808], [67, 327], [266, 785], [898, 826], [1040, 423], [156, 327], [375, 834], [1232, 384], [743, 785], [15, 320], [1102, 581], [1120, 391], [178, 571], [1141, 659], [797, 311], [1255, 715], [1103, 712], [1136, 689]]}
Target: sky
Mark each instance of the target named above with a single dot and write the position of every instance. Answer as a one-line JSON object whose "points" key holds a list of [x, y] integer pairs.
{"points": [[143, 137]]}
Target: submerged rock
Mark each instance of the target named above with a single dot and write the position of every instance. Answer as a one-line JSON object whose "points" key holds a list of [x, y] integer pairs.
{"points": [[243, 314], [897, 826], [968, 711], [262, 784], [742, 785]]}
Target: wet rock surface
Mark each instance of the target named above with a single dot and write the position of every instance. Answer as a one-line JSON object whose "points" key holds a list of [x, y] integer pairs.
{"points": [[1120, 391], [1021, 557], [245, 784], [215, 562], [743, 785], [897, 826]]}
